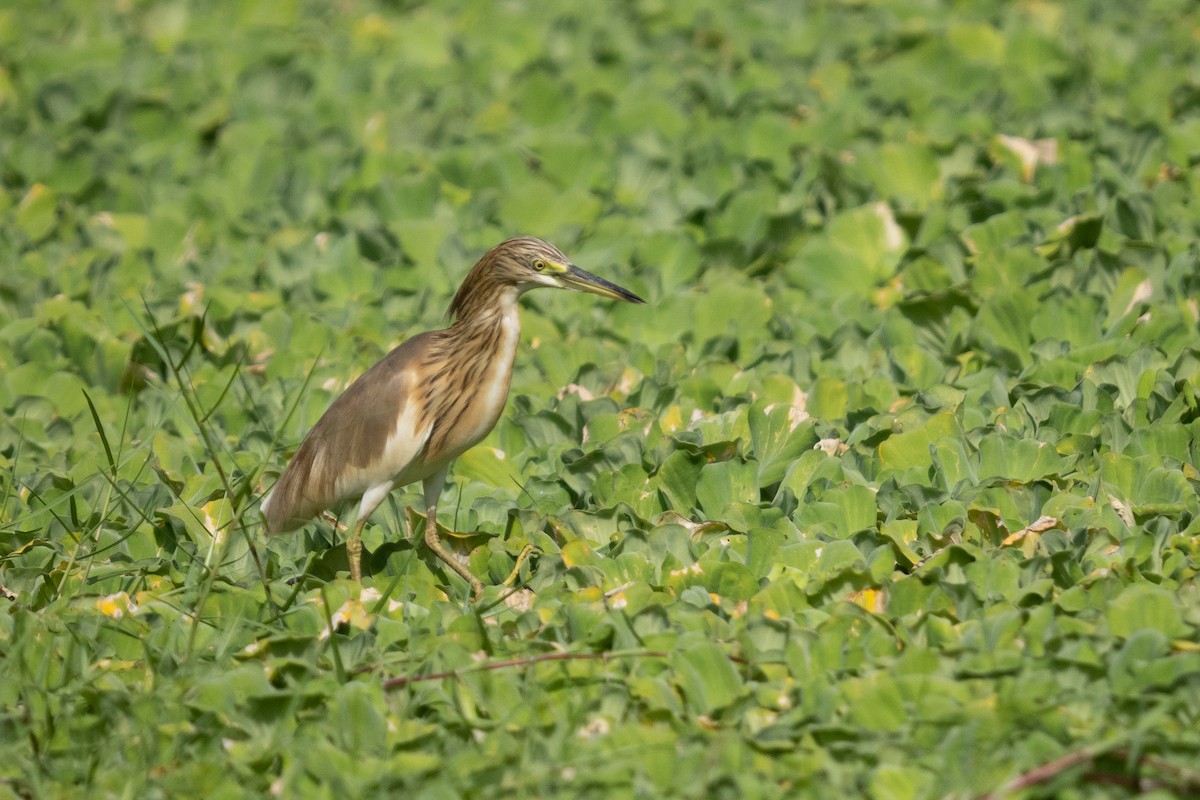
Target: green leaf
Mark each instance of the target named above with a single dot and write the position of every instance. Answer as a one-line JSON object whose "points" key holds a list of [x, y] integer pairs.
{"points": [[911, 448], [706, 676], [38, 211], [678, 478], [859, 248], [875, 702], [778, 436], [356, 720], [731, 580], [828, 399], [895, 782], [486, 465], [721, 484], [1003, 327], [903, 171], [1142, 606], [1019, 460], [846, 511]]}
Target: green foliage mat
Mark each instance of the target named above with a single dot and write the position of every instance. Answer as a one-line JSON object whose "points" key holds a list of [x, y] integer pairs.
{"points": [[889, 491]]}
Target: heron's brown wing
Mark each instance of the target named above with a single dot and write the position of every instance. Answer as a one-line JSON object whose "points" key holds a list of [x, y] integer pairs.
{"points": [[343, 454]]}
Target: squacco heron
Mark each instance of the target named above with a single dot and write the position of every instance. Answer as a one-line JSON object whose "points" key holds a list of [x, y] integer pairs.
{"points": [[425, 403]]}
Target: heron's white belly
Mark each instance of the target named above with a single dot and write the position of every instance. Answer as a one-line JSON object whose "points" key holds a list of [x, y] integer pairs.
{"points": [[399, 464]]}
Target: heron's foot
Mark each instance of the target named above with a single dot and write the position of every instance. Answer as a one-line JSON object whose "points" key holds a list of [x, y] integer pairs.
{"points": [[334, 521], [434, 542], [516, 570]]}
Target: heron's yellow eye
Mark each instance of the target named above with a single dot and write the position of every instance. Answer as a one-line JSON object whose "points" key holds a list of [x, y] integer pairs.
{"points": [[539, 265]]}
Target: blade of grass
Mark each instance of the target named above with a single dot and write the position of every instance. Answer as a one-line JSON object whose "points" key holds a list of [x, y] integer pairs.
{"points": [[108, 453], [338, 668], [158, 341]]}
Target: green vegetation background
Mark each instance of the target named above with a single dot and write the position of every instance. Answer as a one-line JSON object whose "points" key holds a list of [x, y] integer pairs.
{"points": [[889, 491]]}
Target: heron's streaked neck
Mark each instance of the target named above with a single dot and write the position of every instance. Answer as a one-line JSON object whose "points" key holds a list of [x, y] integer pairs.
{"points": [[500, 308]]}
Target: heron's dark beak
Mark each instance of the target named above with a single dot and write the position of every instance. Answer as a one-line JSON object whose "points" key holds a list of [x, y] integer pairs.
{"points": [[584, 281]]}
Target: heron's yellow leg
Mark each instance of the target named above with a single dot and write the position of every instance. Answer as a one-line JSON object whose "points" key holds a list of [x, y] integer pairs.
{"points": [[354, 550]]}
